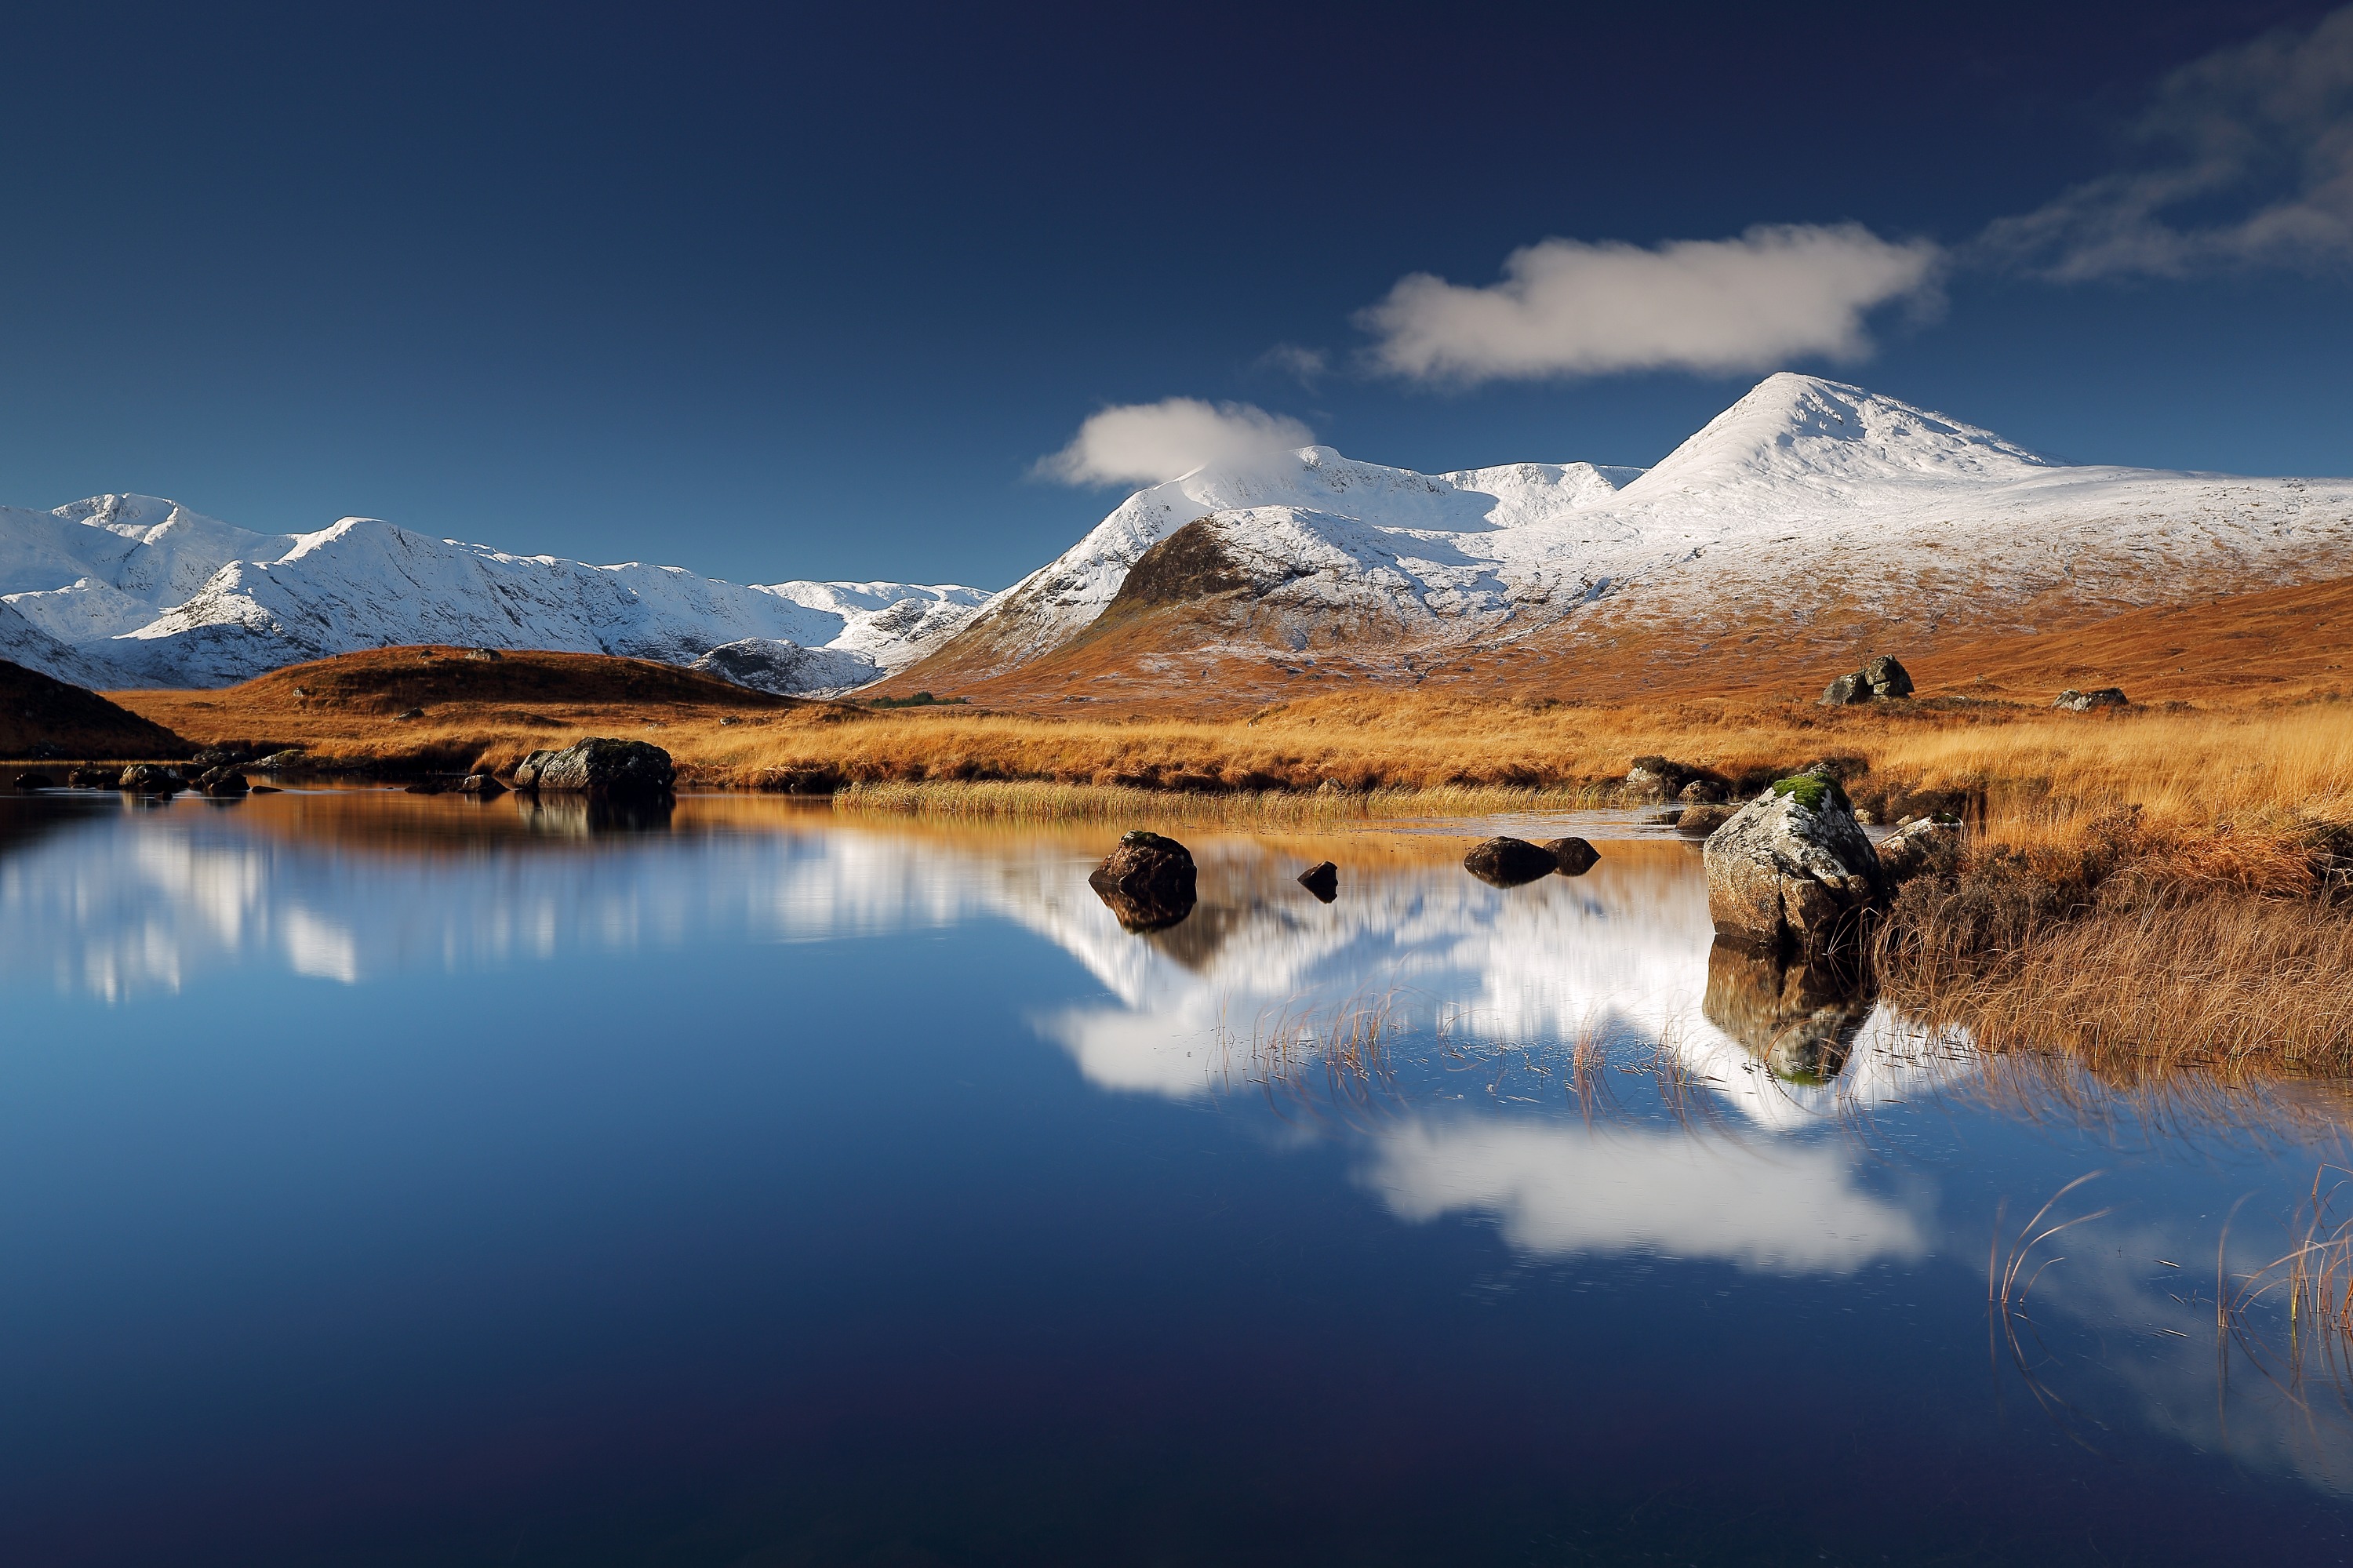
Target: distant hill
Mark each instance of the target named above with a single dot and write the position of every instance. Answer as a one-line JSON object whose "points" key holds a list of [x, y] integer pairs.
{"points": [[1808, 523], [134, 590], [42, 717]]}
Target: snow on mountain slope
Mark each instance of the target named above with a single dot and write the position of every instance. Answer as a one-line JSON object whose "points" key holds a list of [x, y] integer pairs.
{"points": [[136, 591], [1805, 502], [1316, 509]]}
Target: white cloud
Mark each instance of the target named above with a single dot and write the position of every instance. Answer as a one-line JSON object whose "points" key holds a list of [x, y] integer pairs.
{"points": [[1568, 308], [1302, 364], [2262, 130], [1144, 443]]}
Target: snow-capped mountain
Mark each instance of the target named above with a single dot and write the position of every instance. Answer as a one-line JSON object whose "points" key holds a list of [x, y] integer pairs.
{"points": [[1804, 501], [131, 590]]}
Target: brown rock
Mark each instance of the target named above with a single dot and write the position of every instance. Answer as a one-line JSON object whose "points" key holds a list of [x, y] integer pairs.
{"points": [[1147, 881], [1571, 857], [1508, 863]]}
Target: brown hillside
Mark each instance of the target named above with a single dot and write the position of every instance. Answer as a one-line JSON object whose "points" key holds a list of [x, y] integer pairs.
{"points": [[1145, 655], [41, 717], [448, 706]]}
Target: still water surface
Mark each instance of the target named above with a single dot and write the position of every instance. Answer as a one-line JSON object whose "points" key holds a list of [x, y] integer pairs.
{"points": [[392, 1180]]}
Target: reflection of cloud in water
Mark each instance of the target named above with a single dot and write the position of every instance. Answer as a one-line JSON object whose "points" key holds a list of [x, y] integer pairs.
{"points": [[1563, 1188]]}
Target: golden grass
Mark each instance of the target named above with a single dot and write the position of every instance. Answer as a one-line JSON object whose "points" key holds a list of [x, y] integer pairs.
{"points": [[1029, 800]]}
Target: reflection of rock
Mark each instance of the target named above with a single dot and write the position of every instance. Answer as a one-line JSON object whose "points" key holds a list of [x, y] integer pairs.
{"points": [[1571, 857], [1508, 863], [1799, 1019], [580, 815], [1146, 880], [1322, 879], [1793, 870]]}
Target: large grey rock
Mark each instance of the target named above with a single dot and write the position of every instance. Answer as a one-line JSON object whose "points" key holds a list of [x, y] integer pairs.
{"points": [[1147, 881], [526, 773], [631, 768], [2085, 702], [1926, 847], [1793, 870], [1844, 690], [1508, 863]]}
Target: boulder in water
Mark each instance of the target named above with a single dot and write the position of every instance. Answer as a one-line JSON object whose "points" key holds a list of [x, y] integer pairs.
{"points": [[94, 775], [631, 769], [1322, 879], [1793, 870], [150, 779], [1147, 881], [1571, 857], [482, 784], [31, 781], [222, 783], [1508, 863]]}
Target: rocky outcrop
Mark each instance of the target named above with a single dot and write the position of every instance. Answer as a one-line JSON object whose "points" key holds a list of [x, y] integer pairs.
{"points": [[1509, 862], [1323, 880], [1882, 679], [1798, 1018], [2076, 702], [1793, 870], [1146, 880], [1571, 857], [631, 769], [1925, 848]]}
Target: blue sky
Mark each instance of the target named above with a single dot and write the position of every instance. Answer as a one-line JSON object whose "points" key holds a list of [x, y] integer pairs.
{"points": [[798, 292]]}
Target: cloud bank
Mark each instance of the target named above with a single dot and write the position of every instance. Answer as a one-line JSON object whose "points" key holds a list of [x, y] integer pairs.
{"points": [[1145, 443], [2264, 130], [1565, 307]]}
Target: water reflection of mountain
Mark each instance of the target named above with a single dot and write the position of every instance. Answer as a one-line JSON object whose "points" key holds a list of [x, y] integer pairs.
{"points": [[352, 887]]}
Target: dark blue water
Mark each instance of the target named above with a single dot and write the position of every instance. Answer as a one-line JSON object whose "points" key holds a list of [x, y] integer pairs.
{"points": [[386, 1180]]}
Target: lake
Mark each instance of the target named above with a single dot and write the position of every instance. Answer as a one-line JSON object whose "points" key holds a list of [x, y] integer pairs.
{"points": [[402, 1180]]}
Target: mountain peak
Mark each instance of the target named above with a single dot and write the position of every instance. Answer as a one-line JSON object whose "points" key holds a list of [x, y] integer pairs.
{"points": [[1792, 428]]}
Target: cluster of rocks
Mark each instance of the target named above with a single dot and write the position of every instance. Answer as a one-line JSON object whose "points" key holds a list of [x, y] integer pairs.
{"points": [[1657, 779], [481, 784], [1882, 679], [221, 782], [2076, 702], [1793, 870], [1513, 862]]}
